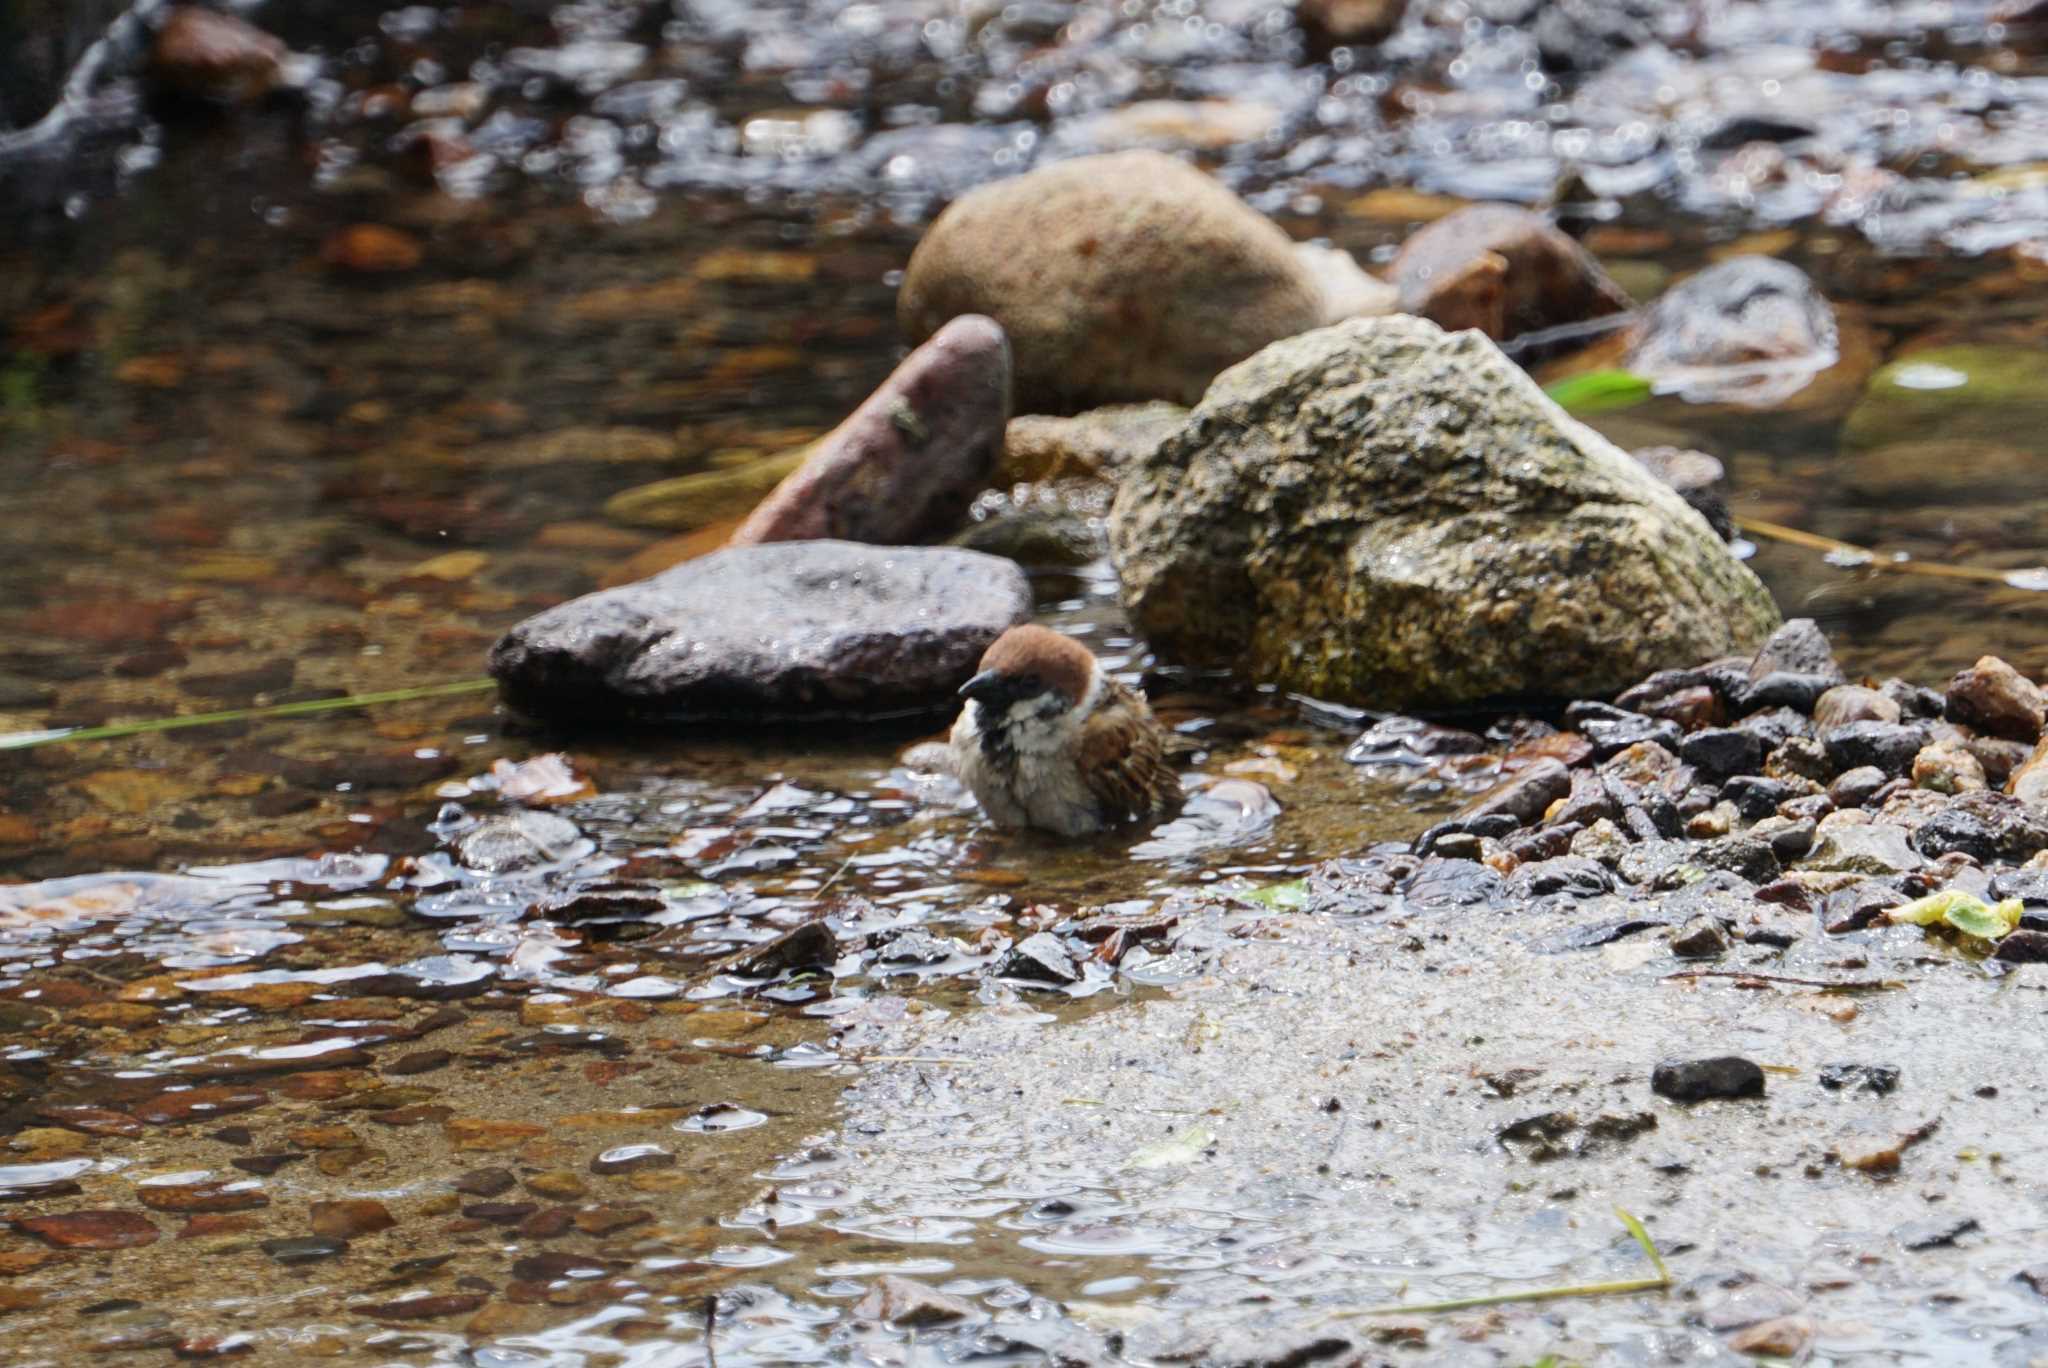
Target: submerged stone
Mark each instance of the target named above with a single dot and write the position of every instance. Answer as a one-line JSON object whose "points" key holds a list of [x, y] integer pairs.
{"points": [[812, 629], [1695, 1080]]}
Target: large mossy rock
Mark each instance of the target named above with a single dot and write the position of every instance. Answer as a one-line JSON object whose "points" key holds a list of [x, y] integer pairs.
{"points": [[1383, 513]]}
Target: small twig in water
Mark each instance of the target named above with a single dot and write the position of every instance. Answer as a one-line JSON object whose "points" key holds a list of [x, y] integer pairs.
{"points": [[1606, 1289], [710, 1329], [1831, 985]]}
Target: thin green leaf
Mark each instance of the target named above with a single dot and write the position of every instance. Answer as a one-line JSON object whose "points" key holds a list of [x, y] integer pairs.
{"points": [[1599, 391], [114, 730], [1635, 1228], [1280, 896]]}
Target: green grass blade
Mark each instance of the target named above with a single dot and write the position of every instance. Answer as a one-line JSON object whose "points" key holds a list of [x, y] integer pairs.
{"points": [[1635, 1228], [115, 730], [1600, 391], [1534, 1294]]}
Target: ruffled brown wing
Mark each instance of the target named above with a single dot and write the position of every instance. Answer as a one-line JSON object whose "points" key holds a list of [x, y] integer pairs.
{"points": [[1123, 759]]}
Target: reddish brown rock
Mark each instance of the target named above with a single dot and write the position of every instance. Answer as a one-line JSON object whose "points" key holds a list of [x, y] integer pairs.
{"points": [[371, 249], [908, 463], [92, 1120], [204, 54], [1503, 270], [1335, 23], [197, 1104], [345, 1220], [2029, 782], [92, 1229], [205, 1196], [1994, 697], [1846, 703]]}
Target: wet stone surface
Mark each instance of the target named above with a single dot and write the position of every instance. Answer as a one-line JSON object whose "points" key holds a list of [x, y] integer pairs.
{"points": [[324, 395]]}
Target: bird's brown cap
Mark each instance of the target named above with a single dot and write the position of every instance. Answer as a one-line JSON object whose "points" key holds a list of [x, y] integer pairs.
{"points": [[1059, 662]]}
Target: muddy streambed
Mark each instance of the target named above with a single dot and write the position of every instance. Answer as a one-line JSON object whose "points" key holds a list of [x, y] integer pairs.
{"points": [[376, 1067]]}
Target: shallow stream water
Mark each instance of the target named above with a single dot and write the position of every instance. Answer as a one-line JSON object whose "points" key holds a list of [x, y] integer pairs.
{"points": [[657, 241]]}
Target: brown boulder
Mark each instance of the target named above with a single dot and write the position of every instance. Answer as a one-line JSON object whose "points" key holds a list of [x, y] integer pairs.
{"points": [[1994, 697], [908, 463], [206, 55], [1502, 270], [1118, 278]]}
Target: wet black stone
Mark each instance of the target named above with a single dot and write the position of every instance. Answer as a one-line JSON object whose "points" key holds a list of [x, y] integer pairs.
{"points": [[1872, 1078], [1613, 730], [1775, 726], [2035, 1278], [1721, 752], [1595, 934], [1792, 842], [500, 1213], [1986, 827], [805, 629], [1040, 959], [2023, 946], [1410, 741], [1916, 702], [1749, 857], [1660, 686], [2030, 886], [304, 1249], [263, 1165], [1774, 937], [598, 904], [1858, 906], [1738, 130], [1937, 1234], [1807, 807], [1489, 824], [1754, 796], [1785, 689], [1571, 874], [809, 946], [1551, 1125], [1887, 746], [1700, 938], [1696, 1080]]}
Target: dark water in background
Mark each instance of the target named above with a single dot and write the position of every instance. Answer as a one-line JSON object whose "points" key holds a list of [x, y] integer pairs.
{"points": [[237, 474]]}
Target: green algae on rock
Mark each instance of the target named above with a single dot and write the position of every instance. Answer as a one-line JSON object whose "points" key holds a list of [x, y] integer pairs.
{"points": [[1380, 512], [1962, 393]]}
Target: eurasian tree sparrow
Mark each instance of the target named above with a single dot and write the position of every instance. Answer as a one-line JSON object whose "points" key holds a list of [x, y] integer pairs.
{"points": [[1048, 739]]}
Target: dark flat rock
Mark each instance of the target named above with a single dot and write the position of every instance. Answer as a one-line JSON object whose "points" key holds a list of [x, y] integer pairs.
{"points": [[789, 630]]}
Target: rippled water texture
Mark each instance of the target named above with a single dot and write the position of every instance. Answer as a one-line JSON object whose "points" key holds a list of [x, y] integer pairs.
{"points": [[317, 398]]}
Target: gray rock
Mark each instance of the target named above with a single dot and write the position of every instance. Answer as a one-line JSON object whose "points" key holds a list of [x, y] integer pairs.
{"points": [[1750, 330], [519, 840], [808, 629], [1985, 826], [1042, 959], [906, 1302], [1869, 849], [1504, 270], [1700, 938], [1379, 512], [1798, 646]]}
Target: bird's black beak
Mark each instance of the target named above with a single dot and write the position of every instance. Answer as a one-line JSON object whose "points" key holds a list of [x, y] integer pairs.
{"points": [[991, 687]]}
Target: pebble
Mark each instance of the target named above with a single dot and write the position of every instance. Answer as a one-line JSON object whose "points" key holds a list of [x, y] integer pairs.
{"points": [[1889, 746], [632, 1159], [206, 1197], [1994, 697], [348, 1219], [905, 1302], [303, 1249], [91, 1229], [1695, 1080], [1947, 767]]}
